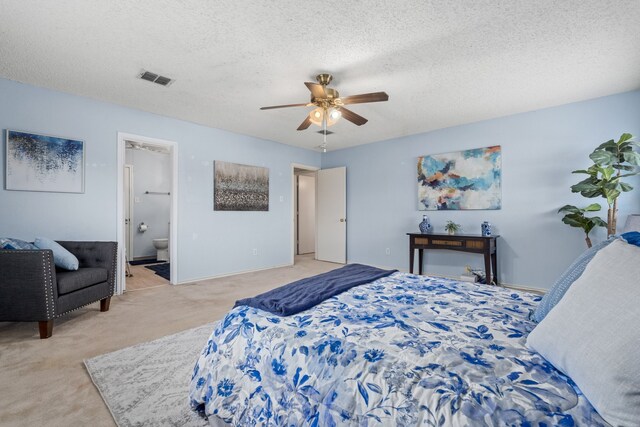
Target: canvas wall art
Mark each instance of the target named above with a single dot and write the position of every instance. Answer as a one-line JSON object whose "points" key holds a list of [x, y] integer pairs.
{"points": [[469, 179], [239, 187], [44, 163]]}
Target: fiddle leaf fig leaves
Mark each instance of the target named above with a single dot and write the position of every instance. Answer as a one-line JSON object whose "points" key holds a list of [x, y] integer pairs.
{"points": [[575, 217], [604, 179], [603, 157], [631, 157]]}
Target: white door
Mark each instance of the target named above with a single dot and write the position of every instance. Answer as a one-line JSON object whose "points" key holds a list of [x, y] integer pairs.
{"points": [[331, 214], [306, 214]]}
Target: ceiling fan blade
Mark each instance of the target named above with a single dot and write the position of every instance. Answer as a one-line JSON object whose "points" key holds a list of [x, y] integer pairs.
{"points": [[317, 90], [365, 97], [283, 106], [305, 124], [353, 117]]}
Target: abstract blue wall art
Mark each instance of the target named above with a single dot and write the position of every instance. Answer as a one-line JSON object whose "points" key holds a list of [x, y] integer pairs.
{"points": [[44, 163], [469, 179]]}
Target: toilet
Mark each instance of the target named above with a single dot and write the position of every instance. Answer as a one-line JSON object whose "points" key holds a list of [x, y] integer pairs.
{"points": [[162, 246]]}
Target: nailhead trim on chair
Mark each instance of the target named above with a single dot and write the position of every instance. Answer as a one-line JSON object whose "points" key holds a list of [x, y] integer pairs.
{"points": [[114, 267], [48, 289]]}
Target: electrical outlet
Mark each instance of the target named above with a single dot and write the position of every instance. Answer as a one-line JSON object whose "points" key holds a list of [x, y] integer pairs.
{"points": [[282, 198], [387, 251], [136, 200], [255, 251]]}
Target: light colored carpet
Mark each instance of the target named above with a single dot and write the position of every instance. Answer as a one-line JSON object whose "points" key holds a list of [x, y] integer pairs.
{"points": [[44, 382], [148, 384]]}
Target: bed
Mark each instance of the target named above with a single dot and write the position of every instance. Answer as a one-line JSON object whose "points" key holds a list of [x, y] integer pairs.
{"points": [[402, 350]]}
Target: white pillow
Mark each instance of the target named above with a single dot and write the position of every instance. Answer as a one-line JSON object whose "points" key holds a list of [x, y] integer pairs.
{"points": [[593, 334]]}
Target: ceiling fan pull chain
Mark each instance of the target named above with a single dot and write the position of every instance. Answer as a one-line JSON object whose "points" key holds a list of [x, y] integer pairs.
{"points": [[324, 126]]}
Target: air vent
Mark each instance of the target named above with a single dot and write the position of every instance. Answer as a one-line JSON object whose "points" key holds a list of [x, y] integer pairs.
{"points": [[155, 78], [323, 132]]}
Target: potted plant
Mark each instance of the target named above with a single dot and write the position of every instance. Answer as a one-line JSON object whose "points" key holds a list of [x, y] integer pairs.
{"points": [[452, 228], [575, 217], [612, 161]]}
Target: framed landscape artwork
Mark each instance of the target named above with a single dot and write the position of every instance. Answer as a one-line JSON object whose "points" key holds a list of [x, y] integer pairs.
{"points": [[239, 187], [44, 163], [469, 179]]}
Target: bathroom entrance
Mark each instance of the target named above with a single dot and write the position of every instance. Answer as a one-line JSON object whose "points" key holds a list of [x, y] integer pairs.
{"points": [[147, 251], [304, 213]]}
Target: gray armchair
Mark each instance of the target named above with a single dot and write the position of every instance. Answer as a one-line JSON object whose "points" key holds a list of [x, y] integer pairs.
{"points": [[33, 290]]}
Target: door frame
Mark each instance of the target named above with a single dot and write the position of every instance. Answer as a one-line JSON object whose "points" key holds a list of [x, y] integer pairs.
{"points": [[173, 212], [295, 166], [129, 242]]}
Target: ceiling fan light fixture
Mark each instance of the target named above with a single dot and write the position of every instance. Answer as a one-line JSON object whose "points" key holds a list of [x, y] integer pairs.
{"points": [[316, 116]]}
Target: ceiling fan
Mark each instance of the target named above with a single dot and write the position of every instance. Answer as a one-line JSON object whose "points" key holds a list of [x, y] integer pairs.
{"points": [[329, 106]]}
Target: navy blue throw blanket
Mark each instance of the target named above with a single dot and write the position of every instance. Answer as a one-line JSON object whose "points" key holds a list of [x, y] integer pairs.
{"points": [[306, 293]]}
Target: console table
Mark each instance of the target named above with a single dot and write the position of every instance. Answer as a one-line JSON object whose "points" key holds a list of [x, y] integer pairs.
{"points": [[474, 243]]}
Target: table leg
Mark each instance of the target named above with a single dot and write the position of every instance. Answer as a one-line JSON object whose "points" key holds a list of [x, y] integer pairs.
{"points": [[420, 260], [487, 266], [494, 263], [411, 256]]}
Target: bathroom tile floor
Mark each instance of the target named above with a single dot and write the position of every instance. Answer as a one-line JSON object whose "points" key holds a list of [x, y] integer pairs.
{"points": [[143, 278]]}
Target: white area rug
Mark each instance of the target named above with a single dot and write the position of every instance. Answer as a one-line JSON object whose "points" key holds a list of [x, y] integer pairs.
{"points": [[148, 383]]}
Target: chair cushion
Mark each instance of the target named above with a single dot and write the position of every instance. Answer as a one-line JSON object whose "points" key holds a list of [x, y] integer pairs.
{"points": [[71, 281]]}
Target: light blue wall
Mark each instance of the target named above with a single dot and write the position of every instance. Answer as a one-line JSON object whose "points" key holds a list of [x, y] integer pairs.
{"points": [[209, 243], [539, 151]]}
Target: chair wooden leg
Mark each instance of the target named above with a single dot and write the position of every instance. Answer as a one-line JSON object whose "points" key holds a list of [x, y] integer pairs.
{"points": [[104, 304], [46, 328]]}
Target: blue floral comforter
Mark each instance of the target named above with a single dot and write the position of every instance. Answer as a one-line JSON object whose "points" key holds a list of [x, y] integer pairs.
{"points": [[404, 350]]}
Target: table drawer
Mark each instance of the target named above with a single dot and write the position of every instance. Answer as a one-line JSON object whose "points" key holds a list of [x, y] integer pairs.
{"points": [[430, 242]]}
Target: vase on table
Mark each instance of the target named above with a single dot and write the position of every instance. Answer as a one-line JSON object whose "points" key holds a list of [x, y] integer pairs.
{"points": [[425, 225], [485, 227]]}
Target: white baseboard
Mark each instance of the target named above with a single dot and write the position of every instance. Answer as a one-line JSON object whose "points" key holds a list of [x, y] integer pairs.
{"points": [[504, 285], [235, 273], [525, 288]]}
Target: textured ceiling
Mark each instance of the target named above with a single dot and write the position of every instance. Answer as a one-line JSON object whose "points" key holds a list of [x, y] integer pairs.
{"points": [[443, 63]]}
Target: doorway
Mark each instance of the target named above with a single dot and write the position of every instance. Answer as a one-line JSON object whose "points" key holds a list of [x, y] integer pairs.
{"points": [[141, 238], [303, 192], [305, 213], [324, 232]]}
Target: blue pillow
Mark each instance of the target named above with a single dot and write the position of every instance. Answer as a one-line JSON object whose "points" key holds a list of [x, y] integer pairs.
{"points": [[61, 257], [15, 244], [632, 237], [575, 270]]}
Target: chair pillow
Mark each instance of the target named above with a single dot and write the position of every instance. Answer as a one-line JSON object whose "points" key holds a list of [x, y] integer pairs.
{"points": [[557, 291], [592, 334], [15, 244], [61, 257]]}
